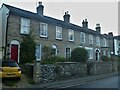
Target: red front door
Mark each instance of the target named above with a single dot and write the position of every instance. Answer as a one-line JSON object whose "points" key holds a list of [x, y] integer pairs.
{"points": [[14, 52]]}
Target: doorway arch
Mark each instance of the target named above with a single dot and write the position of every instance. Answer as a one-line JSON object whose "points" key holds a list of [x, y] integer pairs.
{"points": [[15, 50], [97, 54]]}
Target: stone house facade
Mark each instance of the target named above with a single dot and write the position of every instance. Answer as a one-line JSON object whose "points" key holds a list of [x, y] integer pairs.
{"points": [[114, 44], [62, 36], [117, 45]]}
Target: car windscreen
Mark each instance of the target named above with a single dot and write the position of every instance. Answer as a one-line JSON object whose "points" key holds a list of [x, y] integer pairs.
{"points": [[9, 64]]}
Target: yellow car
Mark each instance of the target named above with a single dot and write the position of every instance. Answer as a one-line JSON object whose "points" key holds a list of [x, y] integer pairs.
{"points": [[10, 69]]}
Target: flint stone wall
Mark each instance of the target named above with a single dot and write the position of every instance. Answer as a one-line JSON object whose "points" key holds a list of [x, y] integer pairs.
{"points": [[115, 65], [67, 70], [62, 71], [96, 68]]}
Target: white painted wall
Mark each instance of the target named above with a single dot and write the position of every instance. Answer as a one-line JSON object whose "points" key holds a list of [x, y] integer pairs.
{"points": [[116, 45], [4, 13]]}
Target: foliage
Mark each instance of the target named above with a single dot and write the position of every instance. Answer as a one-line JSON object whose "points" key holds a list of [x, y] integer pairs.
{"points": [[47, 51], [53, 60], [28, 46], [105, 58], [79, 55], [30, 80], [10, 82]]}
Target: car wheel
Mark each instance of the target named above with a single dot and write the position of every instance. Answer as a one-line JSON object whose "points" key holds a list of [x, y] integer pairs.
{"points": [[18, 78]]}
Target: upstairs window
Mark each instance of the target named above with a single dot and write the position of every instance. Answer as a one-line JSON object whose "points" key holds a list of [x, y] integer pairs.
{"points": [[58, 32], [104, 42], [71, 35], [43, 30], [90, 39], [25, 26], [82, 37], [98, 41]]}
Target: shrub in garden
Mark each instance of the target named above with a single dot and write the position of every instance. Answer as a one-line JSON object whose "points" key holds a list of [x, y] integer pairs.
{"points": [[105, 58], [53, 60], [79, 55], [27, 50], [47, 51]]}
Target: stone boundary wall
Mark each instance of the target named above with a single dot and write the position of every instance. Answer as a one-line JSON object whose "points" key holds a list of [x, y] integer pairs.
{"points": [[62, 71], [48, 73], [67, 70], [97, 68], [115, 65]]}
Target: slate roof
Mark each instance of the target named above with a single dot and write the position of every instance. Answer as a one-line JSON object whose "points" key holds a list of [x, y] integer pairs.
{"points": [[31, 15], [117, 37]]}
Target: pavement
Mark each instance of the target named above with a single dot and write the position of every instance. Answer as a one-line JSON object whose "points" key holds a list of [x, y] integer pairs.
{"points": [[73, 82]]}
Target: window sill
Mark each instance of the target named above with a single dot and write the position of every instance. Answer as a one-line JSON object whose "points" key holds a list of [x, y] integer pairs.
{"points": [[43, 37], [59, 39], [24, 34], [71, 41]]}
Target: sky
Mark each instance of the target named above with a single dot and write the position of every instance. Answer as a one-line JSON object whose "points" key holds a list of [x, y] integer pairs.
{"points": [[95, 11]]}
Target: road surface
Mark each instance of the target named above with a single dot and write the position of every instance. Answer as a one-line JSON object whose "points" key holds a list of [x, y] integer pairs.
{"points": [[111, 82]]}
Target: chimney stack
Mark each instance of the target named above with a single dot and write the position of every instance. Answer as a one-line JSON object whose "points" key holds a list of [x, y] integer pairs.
{"points": [[98, 28], [40, 8], [110, 35], [66, 17], [85, 23]]}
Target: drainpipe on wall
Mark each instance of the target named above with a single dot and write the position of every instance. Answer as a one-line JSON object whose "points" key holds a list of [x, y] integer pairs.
{"points": [[5, 50]]}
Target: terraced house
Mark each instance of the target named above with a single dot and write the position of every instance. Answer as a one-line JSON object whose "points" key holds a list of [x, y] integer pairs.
{"points": [[117, 45], [62, 36]]}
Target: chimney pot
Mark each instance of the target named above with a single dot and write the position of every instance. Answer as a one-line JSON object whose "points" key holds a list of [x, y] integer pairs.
{"points": [[85, 20], [40, 3]]}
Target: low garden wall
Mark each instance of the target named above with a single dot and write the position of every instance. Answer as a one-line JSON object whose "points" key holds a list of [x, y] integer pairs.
{"points": [[67, 70], [96, 68], [62, 71]]}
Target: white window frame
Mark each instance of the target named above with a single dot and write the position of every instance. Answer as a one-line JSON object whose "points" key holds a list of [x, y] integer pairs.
{"points": [[98, 41], [40, 50], [56, 49], [44, 29], [67, 53], [70, 33], [104, 42], [108, 53], [104, 52], [82, 37], [91, 39], [25, 26], [91, 52], [59, 31]]}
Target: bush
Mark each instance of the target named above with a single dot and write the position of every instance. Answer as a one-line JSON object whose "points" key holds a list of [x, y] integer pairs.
{"points": [[47, 51], [28, 47], [79, 55], [53, 60], [105, 58]]}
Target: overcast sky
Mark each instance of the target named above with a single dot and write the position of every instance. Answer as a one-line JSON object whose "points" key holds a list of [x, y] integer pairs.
{"points": [[104, 12]]}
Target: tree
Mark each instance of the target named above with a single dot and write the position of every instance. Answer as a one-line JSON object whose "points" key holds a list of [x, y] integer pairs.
{"points": [[79, 55], [27, 50]]}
